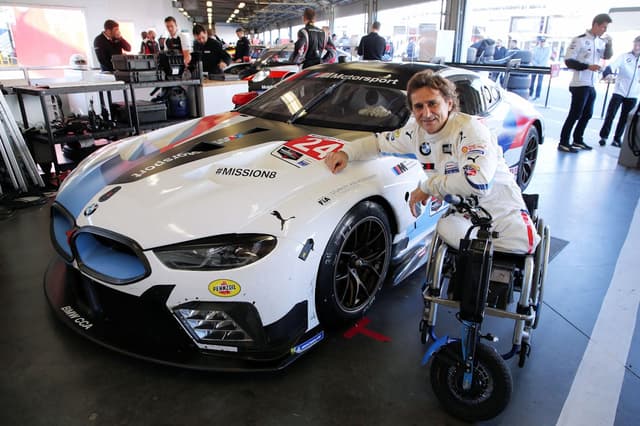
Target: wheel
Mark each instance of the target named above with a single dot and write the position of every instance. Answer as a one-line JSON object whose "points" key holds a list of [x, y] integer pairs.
{"points": [[491, 388], [540, 269], [528, 158], [353, 265]]}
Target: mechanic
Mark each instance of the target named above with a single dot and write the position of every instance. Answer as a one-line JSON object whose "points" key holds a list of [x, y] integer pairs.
{"points": [[214, 57], [331, 54], [460, 156], [110, 42], [372, 45], [243, 47], [177, 40], [583, 57], [626, 92], [310, 43]]}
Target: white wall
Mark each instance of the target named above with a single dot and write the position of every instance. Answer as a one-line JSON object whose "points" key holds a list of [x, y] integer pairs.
{"points": [[144, 15]]}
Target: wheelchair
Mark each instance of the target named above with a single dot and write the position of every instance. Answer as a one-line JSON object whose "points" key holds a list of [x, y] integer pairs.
{"points": [[471, 380]]}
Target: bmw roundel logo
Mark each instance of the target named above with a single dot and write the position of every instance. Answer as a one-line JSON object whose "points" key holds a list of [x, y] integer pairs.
{"points": [[89, 210], [425, 149]]}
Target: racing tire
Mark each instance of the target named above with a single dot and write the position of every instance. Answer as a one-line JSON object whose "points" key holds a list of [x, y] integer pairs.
{"points": [[491, 388], [528, 158], [354, 265]]}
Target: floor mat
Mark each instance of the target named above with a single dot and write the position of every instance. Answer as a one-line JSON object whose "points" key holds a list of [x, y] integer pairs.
{"points": [[557, 245]]}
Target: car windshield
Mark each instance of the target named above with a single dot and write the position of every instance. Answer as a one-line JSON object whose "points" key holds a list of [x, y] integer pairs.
{"points": [[353, 102], [276, 55]]}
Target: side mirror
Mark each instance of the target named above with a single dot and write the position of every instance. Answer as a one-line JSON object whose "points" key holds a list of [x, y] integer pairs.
{"points": [[240, 99]]}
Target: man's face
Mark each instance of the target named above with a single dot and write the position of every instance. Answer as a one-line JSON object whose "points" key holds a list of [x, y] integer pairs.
{"points": [[240, 34], [599, 29], [171, 27], [201, 37], [636, 48], [430, 109]]}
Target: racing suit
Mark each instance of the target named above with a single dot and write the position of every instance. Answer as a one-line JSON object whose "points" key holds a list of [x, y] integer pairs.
{"points": [[626, 92], [464, 159], [584, 50], [308, 48]]}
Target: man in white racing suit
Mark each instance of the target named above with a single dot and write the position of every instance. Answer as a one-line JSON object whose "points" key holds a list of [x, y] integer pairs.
{"points": [[459, 156]]}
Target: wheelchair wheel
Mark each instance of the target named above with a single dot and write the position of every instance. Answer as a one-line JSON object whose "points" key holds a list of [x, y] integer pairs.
{"points": [[491, 388], [540, 269]]}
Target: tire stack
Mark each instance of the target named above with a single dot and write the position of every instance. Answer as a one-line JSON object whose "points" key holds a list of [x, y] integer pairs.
{"points": [[519, 83]]}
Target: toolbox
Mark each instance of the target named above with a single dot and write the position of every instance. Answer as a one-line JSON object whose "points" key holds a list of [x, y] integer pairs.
{"points": [[148, 112], [139, 76], [134, 62]]}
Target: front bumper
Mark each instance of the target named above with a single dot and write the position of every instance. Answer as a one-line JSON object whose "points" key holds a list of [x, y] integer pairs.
{"points": [[143, 327]]}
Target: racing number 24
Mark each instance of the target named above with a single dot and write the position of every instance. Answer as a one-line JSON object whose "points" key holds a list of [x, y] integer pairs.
{"points": [[314, 146]]}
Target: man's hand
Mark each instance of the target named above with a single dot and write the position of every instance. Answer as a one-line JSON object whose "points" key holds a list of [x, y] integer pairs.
{"points": [[417, 196], [594, 67], [336, 161]]}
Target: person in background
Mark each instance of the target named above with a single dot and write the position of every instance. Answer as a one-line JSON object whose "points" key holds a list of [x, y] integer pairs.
{"points": [[499, 51], [211, 33], [583, 56], [143, 36], [214, 57], [411, 49], [626, 92], [150, 45], [331, 54], [539, 58], [460, 155], [372, 45], [243, 46], [110, 42], [177, 41], [513, 45], [311, 41]]}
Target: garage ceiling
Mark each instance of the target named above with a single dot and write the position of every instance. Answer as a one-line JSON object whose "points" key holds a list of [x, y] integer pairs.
{"points": [[256, 14]]}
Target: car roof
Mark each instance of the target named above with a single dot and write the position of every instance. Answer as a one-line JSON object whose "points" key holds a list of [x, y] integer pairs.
{"points": [[403, 71]]}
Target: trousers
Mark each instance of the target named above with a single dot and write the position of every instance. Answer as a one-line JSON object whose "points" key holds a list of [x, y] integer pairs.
{"points": [[581, 110], [612, 109]]}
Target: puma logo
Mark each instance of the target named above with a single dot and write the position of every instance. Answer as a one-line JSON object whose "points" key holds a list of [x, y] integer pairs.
{"points": [[277, 214], [473, 158]]}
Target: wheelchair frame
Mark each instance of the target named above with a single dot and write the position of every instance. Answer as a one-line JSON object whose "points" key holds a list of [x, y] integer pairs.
{"points": [[527, 313]]}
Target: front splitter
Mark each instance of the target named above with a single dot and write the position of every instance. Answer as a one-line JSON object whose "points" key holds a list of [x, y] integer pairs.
{"points": [[62, 285]]}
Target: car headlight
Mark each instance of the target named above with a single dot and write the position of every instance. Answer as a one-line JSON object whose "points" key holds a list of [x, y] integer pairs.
{"points": [[217, 253], [261, 75]]}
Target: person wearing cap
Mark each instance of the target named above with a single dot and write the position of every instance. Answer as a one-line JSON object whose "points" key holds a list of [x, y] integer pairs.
{"points": [[243, 46], [625, 93], [110, 42], [539, 58]]}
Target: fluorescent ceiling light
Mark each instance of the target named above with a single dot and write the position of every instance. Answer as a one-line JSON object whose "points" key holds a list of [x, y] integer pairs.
{"points": [[209, 10], [209, 3], [236, 11], [241, 5]]}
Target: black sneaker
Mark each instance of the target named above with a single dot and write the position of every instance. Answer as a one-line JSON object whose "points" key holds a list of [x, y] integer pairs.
{"points": [[602, 142], [566, 148], [582, 145], [617, 144]]}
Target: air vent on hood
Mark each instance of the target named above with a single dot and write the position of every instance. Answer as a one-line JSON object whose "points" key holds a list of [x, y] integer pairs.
{"points": [[221, 141]]}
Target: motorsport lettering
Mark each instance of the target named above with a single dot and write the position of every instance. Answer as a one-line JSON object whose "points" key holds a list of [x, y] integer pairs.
{"points": [[140, 173], [364, 78], [256, 173]]}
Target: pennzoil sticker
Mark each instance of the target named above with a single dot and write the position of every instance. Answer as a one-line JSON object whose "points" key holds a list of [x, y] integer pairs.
{"points": [[302, 347], [224, 288]]}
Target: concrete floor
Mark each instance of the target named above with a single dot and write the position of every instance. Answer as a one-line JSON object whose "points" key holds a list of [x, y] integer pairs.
{"points": [[51, 376]]}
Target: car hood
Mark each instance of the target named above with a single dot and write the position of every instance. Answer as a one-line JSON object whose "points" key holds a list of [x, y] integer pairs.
{"points": [[216, 175]]}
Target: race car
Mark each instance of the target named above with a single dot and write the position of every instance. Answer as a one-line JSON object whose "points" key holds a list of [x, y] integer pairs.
{"points": [[270, 68], [225, 243]]}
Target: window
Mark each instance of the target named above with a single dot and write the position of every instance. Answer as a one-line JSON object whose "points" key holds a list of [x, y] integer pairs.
{"points": [[470, 97]]}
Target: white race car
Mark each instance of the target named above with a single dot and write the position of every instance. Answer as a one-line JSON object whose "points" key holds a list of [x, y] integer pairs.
{"points": [[225, 243]]}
